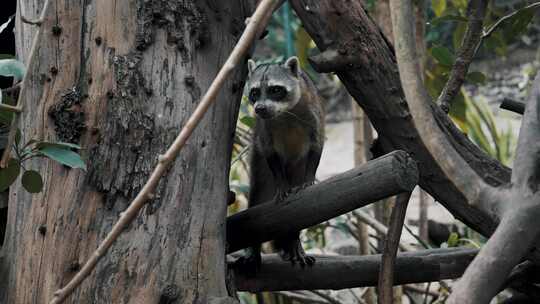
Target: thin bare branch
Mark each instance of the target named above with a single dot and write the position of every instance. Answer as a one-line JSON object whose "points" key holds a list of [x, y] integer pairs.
{"points": [[9, 108], [378, 226], [391, 243], [476, 12], [420, 104], [255, 26], [328, 298], [492, 28], [302, 297]]}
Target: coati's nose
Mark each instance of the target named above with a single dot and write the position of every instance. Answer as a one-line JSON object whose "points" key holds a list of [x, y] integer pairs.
{"points": [[261, 110]]}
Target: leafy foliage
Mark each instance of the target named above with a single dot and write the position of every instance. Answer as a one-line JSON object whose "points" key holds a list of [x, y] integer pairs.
{"points": [[32, 180]]}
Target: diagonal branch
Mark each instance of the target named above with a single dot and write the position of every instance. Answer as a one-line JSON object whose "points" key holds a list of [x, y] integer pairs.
{"points": [[385, 176], [256, 24], [492, 28], [386, 273], [476, 12], [446, 156]]}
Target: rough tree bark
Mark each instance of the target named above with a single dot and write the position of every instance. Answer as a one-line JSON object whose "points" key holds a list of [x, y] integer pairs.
{"points": [[120, 78]]}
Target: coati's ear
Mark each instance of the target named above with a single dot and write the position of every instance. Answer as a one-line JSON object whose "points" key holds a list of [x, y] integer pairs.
{"points": [[293, 65], [251, 66]]}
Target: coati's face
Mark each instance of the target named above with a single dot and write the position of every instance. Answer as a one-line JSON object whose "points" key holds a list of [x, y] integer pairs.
{"points": [[274, 89]]}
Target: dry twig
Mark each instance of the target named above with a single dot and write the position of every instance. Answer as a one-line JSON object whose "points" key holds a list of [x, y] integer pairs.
{"points": [[255, 26], [391, 243]]}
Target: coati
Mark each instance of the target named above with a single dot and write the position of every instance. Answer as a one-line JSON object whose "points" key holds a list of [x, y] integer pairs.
{"points": [[287, 143]]}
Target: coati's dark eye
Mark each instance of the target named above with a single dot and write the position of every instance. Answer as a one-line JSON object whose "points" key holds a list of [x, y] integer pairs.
{"points": [[254, 94], [276, 92]]}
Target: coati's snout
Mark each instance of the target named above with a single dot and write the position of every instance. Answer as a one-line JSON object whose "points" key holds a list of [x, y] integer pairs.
{"points": [[274, 89]]}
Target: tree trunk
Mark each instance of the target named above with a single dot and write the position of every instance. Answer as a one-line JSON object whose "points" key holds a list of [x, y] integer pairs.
{"points": [[122, 77]]}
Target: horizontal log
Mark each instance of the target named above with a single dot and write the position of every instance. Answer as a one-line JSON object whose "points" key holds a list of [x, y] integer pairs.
{"points": [[340, 272], [512, 105], [385, 176]]}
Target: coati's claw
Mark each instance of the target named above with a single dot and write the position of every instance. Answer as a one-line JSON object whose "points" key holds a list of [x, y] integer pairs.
{"points": [[296, 254], [280, 196]]}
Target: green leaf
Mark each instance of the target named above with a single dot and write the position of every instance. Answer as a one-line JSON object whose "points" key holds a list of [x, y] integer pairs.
{"points": [[439, 6], [12, 68], [9, 174], [453, 240], [32, 181], [248, 121], [60, 144], [443, 55], [476, 77], [447, 18], [63, 156], [458, 111]]}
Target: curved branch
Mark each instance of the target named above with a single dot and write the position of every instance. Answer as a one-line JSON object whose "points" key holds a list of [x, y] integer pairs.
{"points": [[450, 161], [257, 22], [492, 28], [386, 272], [476, 12], [373, 80]]}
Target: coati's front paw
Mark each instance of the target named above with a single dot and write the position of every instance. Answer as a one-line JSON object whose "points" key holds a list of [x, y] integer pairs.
{"points": [[280, 196], [296, 254], [297, 189]]}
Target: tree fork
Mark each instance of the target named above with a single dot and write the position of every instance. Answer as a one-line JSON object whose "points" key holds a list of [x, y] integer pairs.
{"points": [[373, 80], [385, 176], [340, 272]]}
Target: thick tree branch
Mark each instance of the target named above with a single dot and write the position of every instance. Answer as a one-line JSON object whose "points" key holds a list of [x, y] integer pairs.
{"points": [[476, 12], [256, 24], [454, 166], [388, 175], [519, 227], [340, 272], [527, 162], [373, 80], [391, 243]]}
